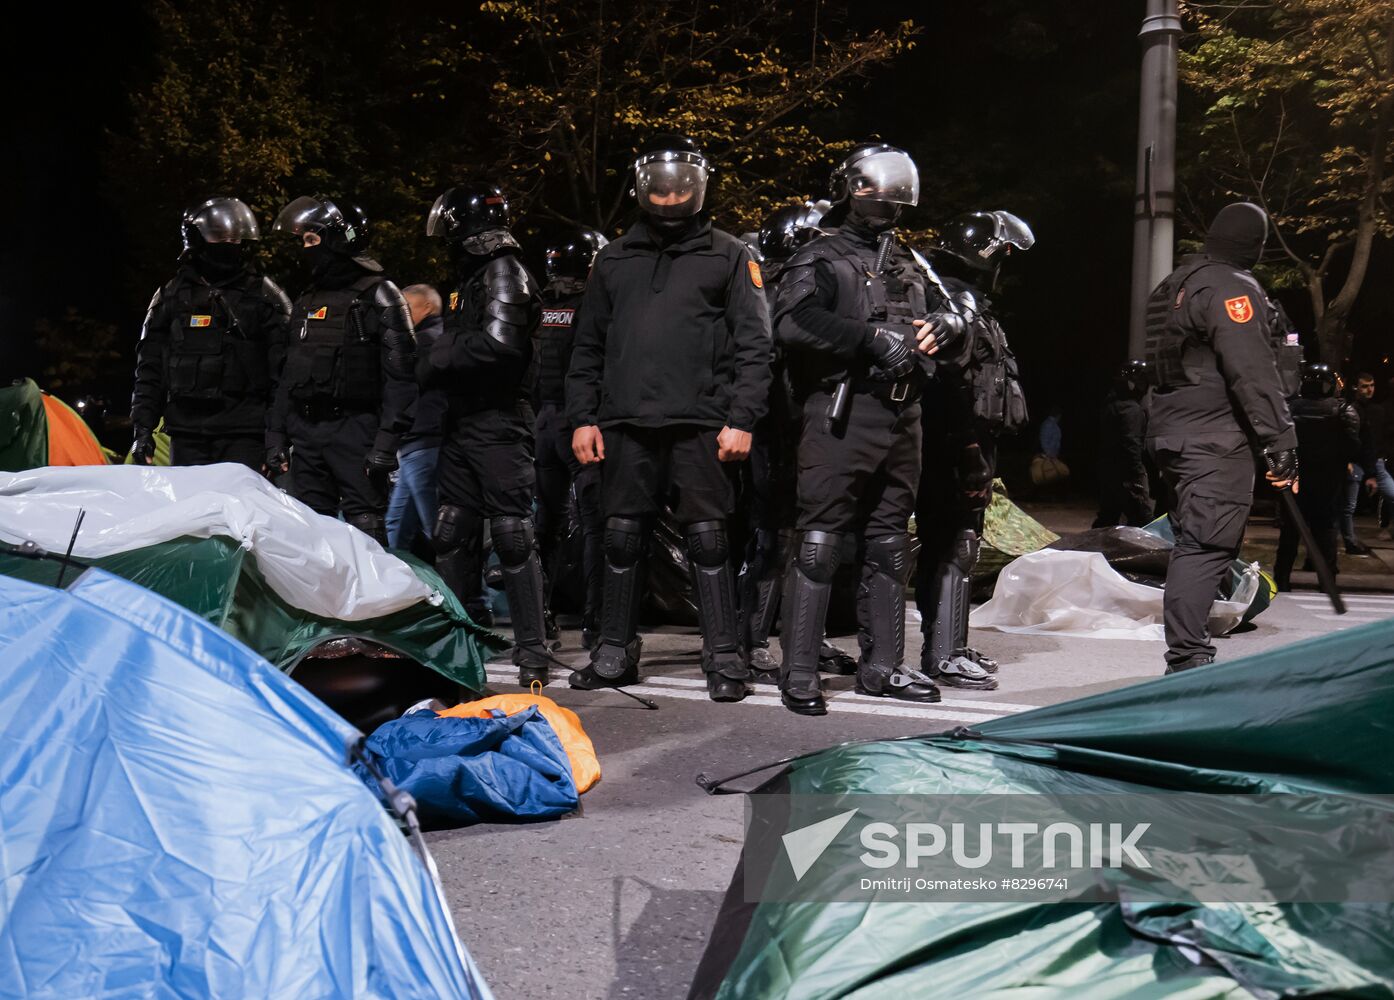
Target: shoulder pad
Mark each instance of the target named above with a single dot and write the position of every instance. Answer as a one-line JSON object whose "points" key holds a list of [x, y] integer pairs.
{"points": [[507, 280], [386, 295], [273, 293], [826, 248]]}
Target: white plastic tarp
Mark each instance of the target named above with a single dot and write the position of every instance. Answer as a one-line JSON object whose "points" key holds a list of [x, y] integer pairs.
{"points": [[1054, 592], [316, 563]]}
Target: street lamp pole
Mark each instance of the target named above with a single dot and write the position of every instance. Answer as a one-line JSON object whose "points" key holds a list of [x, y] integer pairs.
{"points": [[1154, 206]]}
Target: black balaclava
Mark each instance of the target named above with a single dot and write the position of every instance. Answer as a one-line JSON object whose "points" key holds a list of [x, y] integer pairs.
{"points": [[670, 230], [868, 219], [218, 262], [330, 268], [1238, 234]]}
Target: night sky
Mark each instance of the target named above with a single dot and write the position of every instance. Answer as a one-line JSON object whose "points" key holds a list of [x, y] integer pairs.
{"points": [[1044, 96]]}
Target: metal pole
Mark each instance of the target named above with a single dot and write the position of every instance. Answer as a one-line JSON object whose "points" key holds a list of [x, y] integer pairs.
{"points": [[1154, 207]]}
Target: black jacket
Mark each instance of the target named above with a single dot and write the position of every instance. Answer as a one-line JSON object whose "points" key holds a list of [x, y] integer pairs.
{"points": [[1221, 317], [219, 343], [675, 334], [1122, 432], [428, 416], [561, 305], [1328, 438]]}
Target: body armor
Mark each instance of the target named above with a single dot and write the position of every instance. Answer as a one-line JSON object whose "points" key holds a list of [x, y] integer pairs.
{"points": [[333, 352], [992, 374], [215, 347], [554, 340]]}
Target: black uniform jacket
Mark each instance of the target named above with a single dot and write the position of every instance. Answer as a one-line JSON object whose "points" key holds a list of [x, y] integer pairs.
{"points": [[669, 335]]}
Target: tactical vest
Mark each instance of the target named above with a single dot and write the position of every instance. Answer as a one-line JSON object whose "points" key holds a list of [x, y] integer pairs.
{"points": [[332, 354], [993, 377], [554, 337], [898, 296], [1287, 349], [210, 355]]}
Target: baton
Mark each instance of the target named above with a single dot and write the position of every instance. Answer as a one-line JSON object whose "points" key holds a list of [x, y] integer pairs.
{"points": [[1324, 575], [837, 408]]}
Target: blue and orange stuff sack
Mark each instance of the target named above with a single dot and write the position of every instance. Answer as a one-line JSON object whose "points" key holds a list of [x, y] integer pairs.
{"points": [[585, 766]]}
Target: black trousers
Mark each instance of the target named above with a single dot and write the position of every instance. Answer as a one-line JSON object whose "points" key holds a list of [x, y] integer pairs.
{"points": [[327, 464], [860, 477], [1123, 493], [195, 449], [1214, 484], [942, 511], [1320, 500], [486, 462], [648, 467], [557, 473]]}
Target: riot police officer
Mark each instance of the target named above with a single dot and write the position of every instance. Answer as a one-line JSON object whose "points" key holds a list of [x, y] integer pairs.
{"points": [[773, 464], [1123, 485], [976, 398], [852, 316], [1216, 387], [486, 364], [346, 390], [669, 376], [568, 260], [210, 344]]}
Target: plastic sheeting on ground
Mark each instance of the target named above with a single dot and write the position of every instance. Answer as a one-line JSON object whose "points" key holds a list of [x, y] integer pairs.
{"points": [[1068, 593], [1313, 718], [316, 563], [585, 766], [472, 770], [180, 820], [214, 578]]}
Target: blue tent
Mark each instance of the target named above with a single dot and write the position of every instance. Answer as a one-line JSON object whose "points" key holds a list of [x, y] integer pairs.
{"points": [[179, 819]]}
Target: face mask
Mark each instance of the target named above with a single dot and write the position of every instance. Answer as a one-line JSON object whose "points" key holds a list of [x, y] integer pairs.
{"points": [[1237, 235], [319, 258], [220, 259], [878, 216]]}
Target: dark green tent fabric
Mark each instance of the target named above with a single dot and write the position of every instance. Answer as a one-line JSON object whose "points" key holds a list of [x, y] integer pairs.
{"points": [[214, 578], [23, 428], [1316, 718]]}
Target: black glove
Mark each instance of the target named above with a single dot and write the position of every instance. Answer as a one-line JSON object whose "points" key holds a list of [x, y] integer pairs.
{"points": [[892, 355], [379, 465], [974, 476], [143, 450], [948, 328], [277, 460], [1282, 465]]}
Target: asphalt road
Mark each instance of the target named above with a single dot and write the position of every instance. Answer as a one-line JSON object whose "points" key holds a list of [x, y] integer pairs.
{"points": [[618, 900]]}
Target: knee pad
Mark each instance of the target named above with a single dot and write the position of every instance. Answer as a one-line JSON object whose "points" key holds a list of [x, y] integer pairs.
{"points": [[889, 554], [706, 543], [624, 541], [513, 539], [454, 527], [965, 551], [818, 555]]}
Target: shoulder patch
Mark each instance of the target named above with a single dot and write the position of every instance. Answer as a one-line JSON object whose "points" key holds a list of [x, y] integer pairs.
{"points": [[321, 313], [1180, 297], [756, 278], [1241, 310], [454, 300]]}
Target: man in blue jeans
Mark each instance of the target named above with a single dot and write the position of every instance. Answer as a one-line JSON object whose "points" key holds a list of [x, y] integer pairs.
{"points": [[1369, 470], [412, 509]]}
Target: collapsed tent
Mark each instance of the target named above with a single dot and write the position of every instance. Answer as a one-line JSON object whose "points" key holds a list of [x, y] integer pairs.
{"points": [[180, 819], [1313, 719], [226, 544]]}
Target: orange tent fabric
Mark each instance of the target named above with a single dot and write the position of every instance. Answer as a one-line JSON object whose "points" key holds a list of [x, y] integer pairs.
{"points": [[585, 766], [70, 440]]}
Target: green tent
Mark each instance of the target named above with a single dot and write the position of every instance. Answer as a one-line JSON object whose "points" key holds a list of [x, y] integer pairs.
{"points": [[217, 579], [1314, 719]]}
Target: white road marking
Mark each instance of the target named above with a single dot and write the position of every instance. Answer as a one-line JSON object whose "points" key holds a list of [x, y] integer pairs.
{"points": [[837, 703], [1381, 600]]}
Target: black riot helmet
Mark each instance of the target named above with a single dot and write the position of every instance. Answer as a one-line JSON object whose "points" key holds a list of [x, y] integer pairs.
{"points": [[217, 221], [1134, 378], [473, 220], [572, 253], [752, 243], [1318, 381], [876, 172], [340, 225], [981, 240], [787, 229], [670, 177]]}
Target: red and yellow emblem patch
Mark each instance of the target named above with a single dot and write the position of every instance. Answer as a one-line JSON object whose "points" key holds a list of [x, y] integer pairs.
{"points": [[755, 277], [454, 300], [1241, 310], [321, 313], [198, 321]]}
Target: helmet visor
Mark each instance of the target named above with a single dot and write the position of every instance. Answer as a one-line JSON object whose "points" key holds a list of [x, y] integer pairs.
{"points": [[435, 225], [1013, 230], [306, 215], [225, 220], [890, 176], [671, 185]]}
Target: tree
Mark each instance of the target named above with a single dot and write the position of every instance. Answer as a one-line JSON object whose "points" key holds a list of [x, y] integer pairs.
{"points": [[1299, 107], [580, 86]]}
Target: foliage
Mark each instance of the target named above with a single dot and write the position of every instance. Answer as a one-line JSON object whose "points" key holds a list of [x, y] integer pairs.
{"points": [[1299, 101], [82, 354]]}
